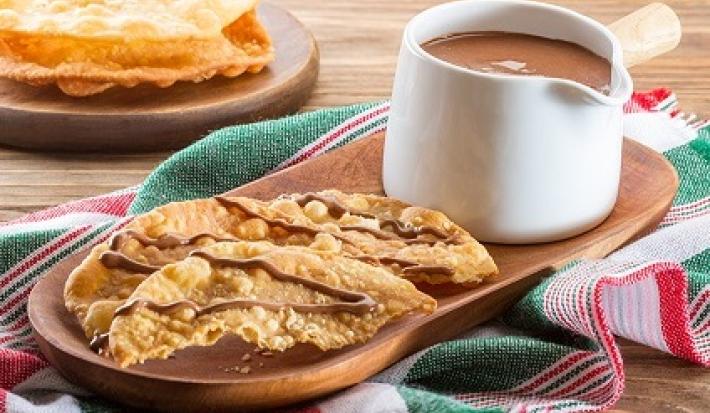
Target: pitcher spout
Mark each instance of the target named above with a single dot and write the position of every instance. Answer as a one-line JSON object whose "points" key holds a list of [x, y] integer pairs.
{"points": [[618, 93]]}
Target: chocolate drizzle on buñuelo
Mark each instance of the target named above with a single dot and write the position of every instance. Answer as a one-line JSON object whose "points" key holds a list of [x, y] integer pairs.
{"points": [[337, 210], [279, 223], [99, 343], [401, 231], [408, 267], [114, 258], [351, 301], [169, 240], [226, 202], [354, 302]]}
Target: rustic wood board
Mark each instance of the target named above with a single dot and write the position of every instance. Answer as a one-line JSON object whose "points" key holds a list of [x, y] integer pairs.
{"points": [[196, 378], [148, 118]]}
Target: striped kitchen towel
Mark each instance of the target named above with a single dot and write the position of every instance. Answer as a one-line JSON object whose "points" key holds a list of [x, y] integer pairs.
{"points": [[553, 351]]}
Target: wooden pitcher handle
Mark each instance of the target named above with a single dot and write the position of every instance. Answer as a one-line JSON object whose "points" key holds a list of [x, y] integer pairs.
{"points": [[646, 33]]}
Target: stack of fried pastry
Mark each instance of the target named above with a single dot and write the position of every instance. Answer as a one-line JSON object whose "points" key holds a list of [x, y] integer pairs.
{"points": [[323, 268], [86, 47]]}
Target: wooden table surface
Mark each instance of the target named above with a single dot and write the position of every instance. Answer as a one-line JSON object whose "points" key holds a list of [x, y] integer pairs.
{"points": [[359, 42]]}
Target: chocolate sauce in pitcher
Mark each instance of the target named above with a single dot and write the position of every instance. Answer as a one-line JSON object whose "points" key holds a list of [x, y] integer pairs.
{"points": [[524, 55]]}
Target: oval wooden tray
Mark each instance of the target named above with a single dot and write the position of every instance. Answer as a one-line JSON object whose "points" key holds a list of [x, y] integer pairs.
{"points": [[196, 378], [147, 118]]}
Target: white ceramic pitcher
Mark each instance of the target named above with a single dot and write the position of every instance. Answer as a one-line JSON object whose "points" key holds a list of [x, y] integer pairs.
{"points": [[514, 159]]}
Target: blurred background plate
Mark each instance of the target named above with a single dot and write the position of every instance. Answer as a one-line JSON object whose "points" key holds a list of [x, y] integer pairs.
{"points": [[147, 118]]}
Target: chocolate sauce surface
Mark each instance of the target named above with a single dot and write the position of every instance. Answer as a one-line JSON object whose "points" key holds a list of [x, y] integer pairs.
{"points": [[523, 54]]}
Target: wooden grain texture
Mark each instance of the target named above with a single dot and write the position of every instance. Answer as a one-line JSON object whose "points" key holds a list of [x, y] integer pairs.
{"points": [[196, 380], [147, 118], [358, 41], [648, 32]]}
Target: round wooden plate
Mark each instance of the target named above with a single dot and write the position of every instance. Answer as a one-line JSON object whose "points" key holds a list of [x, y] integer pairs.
{"points": [[203, 378], [148, 118]]}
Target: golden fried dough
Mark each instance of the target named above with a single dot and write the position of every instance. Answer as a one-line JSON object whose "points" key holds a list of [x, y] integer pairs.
{"points": [[361, 243], [419, 243], [93, 284], [199, 283], [124, 20], [452, 256], [82, 67], [92, 288]]}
